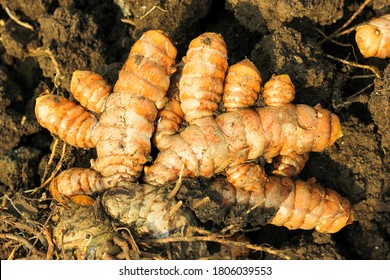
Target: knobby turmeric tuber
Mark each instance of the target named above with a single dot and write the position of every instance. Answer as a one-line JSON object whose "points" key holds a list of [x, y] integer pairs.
{"points": [[203, 75], [373, 37], [260, 199], [242, 86], [122, 135], [126, 125], [90, 89], [211, 144], [289, 165], [71, 122], [147, 209], [76, 184]]}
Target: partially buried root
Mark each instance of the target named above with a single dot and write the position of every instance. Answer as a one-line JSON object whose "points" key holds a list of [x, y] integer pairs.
{"points": [[276, 200]]}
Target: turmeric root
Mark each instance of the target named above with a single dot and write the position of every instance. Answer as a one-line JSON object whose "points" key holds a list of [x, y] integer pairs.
{"points": [[122, 135], [146, 209], [203, 74], [280, 201], [279, 91], [242, 86], [71, 122], [289, 165], [210, 145], [76, 184], [90, 89], [373, 37]]}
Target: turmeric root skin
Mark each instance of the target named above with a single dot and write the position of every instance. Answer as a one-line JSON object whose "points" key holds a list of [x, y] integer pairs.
{"points": [[373, 37], [203, 75], [76, 184], [71, 122], [126, 126], [90, 89], [210, 145], [294, 204], [122, 134], [242, 86]]}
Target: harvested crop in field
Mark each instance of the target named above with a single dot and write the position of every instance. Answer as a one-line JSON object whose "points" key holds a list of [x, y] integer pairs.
{"points": [[373, 37], [211, 144], [122, 135]]}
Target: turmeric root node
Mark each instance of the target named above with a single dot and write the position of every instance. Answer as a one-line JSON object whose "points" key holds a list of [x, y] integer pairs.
{"points": [[74, 183], [280, 201], [373, 37], [278, 91], [242, 86], [123, 134], [146, 209], [71, 122], [201, 83], [210, 145], [90, 89], [289, 165]]}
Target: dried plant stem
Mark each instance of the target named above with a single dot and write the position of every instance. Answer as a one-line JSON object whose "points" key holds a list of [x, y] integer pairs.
{"points": [[220, 240], [358, 11], [130, 239], [174, 191], [369, 67], [151, 10], [346, 31], [26, 228], [24, 242], [50, 244], [327, 38], [122, 243], [128, 21], [55, 171], [49, 162], [47, 52], [17, 20]]}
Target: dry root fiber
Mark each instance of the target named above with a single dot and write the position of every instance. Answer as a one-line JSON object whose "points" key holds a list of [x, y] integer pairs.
{"points": [[373, 37]]}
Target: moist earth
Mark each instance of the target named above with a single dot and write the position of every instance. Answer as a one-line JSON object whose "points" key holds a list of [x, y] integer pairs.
{"points": [[43, 42]]}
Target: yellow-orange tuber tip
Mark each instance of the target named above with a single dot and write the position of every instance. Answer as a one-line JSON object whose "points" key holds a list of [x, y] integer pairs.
{"points": [[373, 38], [82, 200], [336, 131], [368, 39], [279, 90]]}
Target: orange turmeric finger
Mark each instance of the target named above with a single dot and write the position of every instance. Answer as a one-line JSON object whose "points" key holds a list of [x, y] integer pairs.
{"points": [[373, 37], [242, 86], [76, 184], [201, 83], [278, 91], [123, 134], [90, 89], [296, 204], [71, 122]]}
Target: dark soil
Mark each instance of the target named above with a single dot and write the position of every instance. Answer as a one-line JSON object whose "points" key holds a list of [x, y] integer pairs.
{"points": [[278, 36]]}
